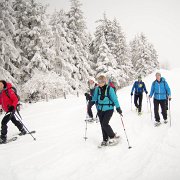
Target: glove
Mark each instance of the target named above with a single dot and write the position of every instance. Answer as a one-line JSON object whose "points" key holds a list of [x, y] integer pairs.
{"points": [[119, 110], [88, 97], [11, 108], [146, 92], [169, 98], [131, 94], [150, 97]]}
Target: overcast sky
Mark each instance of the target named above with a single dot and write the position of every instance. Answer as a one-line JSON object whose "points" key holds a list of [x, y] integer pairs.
{"points": [[159, 20]]}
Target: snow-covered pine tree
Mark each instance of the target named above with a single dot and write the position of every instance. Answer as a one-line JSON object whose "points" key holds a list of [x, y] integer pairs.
{"points": [[79, 44], [105, 61], [144, 56], [10, 58], [44, 85], [33, 36], [64, 64], [116, 43]]}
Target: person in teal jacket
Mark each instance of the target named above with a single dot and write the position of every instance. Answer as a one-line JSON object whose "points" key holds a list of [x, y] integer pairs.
{"points": [[105, 99], [161, 91]]}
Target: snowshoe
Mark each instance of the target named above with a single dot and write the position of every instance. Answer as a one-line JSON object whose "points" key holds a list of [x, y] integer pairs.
{"points": [[113, 142], [165, 121], [90, 120], [23, 132], [3, 140], [103, 144], [157, 124]]}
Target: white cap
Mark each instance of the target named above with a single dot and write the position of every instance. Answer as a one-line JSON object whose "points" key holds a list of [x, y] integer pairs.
{"points": [[92, 78]]}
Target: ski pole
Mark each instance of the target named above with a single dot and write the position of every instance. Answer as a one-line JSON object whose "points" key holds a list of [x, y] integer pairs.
{"points": [[125, 133], [150, 109], [25, 126], [147, 103], [170, 113], [131, 103], [85, 134]]}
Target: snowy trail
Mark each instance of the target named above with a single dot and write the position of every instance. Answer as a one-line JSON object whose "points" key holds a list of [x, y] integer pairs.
{"points": [[60, 151]]}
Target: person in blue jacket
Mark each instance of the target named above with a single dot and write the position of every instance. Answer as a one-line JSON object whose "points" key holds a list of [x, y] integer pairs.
{"points": [[105, 99], [161, 91], [139, 87]]}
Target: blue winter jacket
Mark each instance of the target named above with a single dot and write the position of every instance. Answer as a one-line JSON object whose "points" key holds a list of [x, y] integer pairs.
{"points": [[160, 90], [106, 103], [139, 87]]}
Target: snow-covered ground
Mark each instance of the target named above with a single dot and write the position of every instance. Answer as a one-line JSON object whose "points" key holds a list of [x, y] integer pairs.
{"points": [[61, 153]]}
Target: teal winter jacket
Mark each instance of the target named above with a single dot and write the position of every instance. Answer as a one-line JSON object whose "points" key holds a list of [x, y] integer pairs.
{"points": [[107, 103]]}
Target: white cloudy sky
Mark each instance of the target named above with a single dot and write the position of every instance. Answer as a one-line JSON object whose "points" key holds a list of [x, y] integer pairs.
{"points": [[158, 19]]}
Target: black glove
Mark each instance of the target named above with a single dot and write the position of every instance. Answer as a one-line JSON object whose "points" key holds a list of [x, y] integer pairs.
{"points": [[119, 110], [146, 92], [88, 97], [131, 94], [11, 108]]}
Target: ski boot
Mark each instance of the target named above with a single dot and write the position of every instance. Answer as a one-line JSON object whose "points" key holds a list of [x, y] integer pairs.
{"points": [[3, 139], [157, 123], [23, 132]]}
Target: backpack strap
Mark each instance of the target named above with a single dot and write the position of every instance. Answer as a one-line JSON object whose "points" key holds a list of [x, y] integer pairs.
{"points": [[7, 93], [106, 95]]}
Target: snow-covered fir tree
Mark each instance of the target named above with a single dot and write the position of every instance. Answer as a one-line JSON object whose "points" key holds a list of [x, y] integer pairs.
{"points": [[144, 55], [33, 36], [116, 43], [79, 44], [64, 63], [45, 85], [10, 58]]}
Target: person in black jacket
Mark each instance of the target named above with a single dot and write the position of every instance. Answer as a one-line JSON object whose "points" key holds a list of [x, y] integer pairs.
{"points": [[92, 85]]}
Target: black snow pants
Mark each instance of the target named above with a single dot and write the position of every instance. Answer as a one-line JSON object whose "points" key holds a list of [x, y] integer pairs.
{"points": [[4, 122], [162, 103], [104, 117], [89, 108], [138, 101]]}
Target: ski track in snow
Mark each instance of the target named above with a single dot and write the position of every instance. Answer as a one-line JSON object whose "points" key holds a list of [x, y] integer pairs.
{"points": [[60, 151]]}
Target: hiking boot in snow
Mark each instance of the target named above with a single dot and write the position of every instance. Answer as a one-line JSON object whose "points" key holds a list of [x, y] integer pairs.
{"points": [[3, 139], [113, 142], [104, 143], [165, 121], [157, 123], [23, 132], [116, 136]]}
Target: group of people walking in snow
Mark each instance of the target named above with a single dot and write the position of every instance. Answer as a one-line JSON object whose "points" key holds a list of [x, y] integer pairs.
{"points": [[103, 95]]}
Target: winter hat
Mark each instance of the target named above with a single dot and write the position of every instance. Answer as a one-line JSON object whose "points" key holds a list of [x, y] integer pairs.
{"points": [[92, 79], [101, 79], [4, 83], [139, 77]]}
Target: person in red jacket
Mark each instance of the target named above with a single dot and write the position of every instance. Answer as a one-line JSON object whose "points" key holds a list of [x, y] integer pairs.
{"points": [[9, 105]]}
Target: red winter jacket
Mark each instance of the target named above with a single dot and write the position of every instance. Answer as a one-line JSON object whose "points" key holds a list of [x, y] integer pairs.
{"points": [[5, 101]]}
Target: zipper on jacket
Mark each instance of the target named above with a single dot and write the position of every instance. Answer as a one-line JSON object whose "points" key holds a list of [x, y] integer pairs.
{"points": [[159, 91]]}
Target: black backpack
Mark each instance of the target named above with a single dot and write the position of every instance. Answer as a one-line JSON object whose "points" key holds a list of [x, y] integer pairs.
{"points": [[15, 92], [107, 95]]}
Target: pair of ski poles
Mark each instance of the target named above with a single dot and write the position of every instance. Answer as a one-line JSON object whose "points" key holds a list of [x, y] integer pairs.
{"points": [[169, 104], [19, 118]]}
